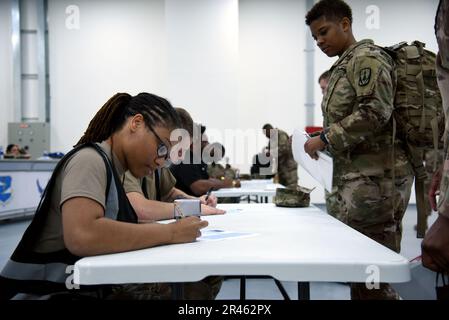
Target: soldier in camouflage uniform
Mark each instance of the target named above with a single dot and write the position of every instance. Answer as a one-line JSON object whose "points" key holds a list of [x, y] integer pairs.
{"points": [[357, 109], [214, 169], [435, 247], [287, 168], [332, 204]]}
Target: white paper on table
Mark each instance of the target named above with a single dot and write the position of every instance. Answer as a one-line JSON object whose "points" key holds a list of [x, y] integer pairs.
{"points": [[233, 210], [219, 234], [321, 170]]}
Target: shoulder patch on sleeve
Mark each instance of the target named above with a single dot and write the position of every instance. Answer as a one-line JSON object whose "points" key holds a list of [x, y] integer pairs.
{"points": [[364, 76]]}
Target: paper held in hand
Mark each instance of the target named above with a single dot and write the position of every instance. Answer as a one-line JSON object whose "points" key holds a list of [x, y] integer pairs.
{"points": [[321, 170]]}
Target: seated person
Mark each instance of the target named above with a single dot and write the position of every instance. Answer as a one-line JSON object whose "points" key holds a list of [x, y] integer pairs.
{"points": [[13, 151], [152, 196], [80, 216], [215, 169], [230, 172], [191, 174], [261, 167]]}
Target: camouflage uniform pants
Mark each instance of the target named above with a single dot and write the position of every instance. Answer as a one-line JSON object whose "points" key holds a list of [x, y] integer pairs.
{"points": [[367, 206], [333, 204], [206, 289]]}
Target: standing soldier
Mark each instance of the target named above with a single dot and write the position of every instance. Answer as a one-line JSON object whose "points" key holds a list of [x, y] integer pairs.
{"points": [[287, 168], [357, 110], [435, 246], [332, 205]]}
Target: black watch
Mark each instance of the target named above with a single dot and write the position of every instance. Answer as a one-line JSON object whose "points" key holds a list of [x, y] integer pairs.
{"points": [[323, 137]]}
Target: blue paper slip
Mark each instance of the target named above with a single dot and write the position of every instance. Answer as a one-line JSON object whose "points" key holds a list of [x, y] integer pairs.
{"points": [[217, 234]]}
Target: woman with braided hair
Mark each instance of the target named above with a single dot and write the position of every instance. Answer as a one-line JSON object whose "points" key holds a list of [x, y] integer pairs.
{"points": [[84, 202]]}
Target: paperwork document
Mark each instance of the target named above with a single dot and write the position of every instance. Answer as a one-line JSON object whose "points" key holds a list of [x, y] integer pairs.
{"points": [[321, 170], [219, 234]]}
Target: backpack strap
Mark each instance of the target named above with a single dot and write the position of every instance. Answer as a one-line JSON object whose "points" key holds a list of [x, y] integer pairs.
{"points": [[421, 201], [144, 188], [422, 208], [157, 184], [45, 201], [416, 156], [393, 171], [436, 134]]}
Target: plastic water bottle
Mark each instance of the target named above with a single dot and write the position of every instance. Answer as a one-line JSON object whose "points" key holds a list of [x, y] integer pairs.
{"points": [[1, 152]]}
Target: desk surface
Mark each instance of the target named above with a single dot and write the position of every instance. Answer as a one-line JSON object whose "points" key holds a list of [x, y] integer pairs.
{"points": [[262, 188], [291, 244], [27, 165]]}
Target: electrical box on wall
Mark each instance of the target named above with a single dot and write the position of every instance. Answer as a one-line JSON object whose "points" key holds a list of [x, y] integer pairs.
{"points": [[35, 135]]}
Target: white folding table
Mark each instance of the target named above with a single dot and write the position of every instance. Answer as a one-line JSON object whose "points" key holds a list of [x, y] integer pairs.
{"points": [[289, 244], [262, 189]]}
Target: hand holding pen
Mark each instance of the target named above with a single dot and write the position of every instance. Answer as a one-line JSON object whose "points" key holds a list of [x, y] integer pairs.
{"points": [[209, 199], [208, 194]]}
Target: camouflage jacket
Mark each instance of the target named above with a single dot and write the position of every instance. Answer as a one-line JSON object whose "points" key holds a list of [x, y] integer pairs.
{"points": [[284, 152], [357, 110], [215, 170], [442, 34]]}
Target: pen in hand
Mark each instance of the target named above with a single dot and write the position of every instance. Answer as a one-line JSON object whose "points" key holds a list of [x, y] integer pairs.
{"points": [[208, 194]]}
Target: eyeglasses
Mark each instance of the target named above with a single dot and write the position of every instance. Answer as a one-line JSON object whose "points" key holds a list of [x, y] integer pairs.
{"points": [[162, 149]]}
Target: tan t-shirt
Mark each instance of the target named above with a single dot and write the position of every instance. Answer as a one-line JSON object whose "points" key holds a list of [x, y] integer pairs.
{"points": [[83, 175], [166, 181]]}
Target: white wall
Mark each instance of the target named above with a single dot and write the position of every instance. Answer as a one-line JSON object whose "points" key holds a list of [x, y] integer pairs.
{"points": [[119, 47], [202, 62], [6, 76], [271, 42]]}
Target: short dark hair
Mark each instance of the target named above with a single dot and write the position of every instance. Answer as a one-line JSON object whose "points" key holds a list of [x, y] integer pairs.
{"points": [[267, 126], [330, 9], [9, 147], [186, 121], [325, 75]]}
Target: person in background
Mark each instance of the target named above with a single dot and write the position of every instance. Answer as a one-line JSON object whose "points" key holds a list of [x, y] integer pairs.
{"points": [[79, 216], [12, 151], [191, 173], [435, 246], [323, 81], [287, 168], [214, 169], [332, 204], [262, 165], [358, 131], [152, 196]]}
